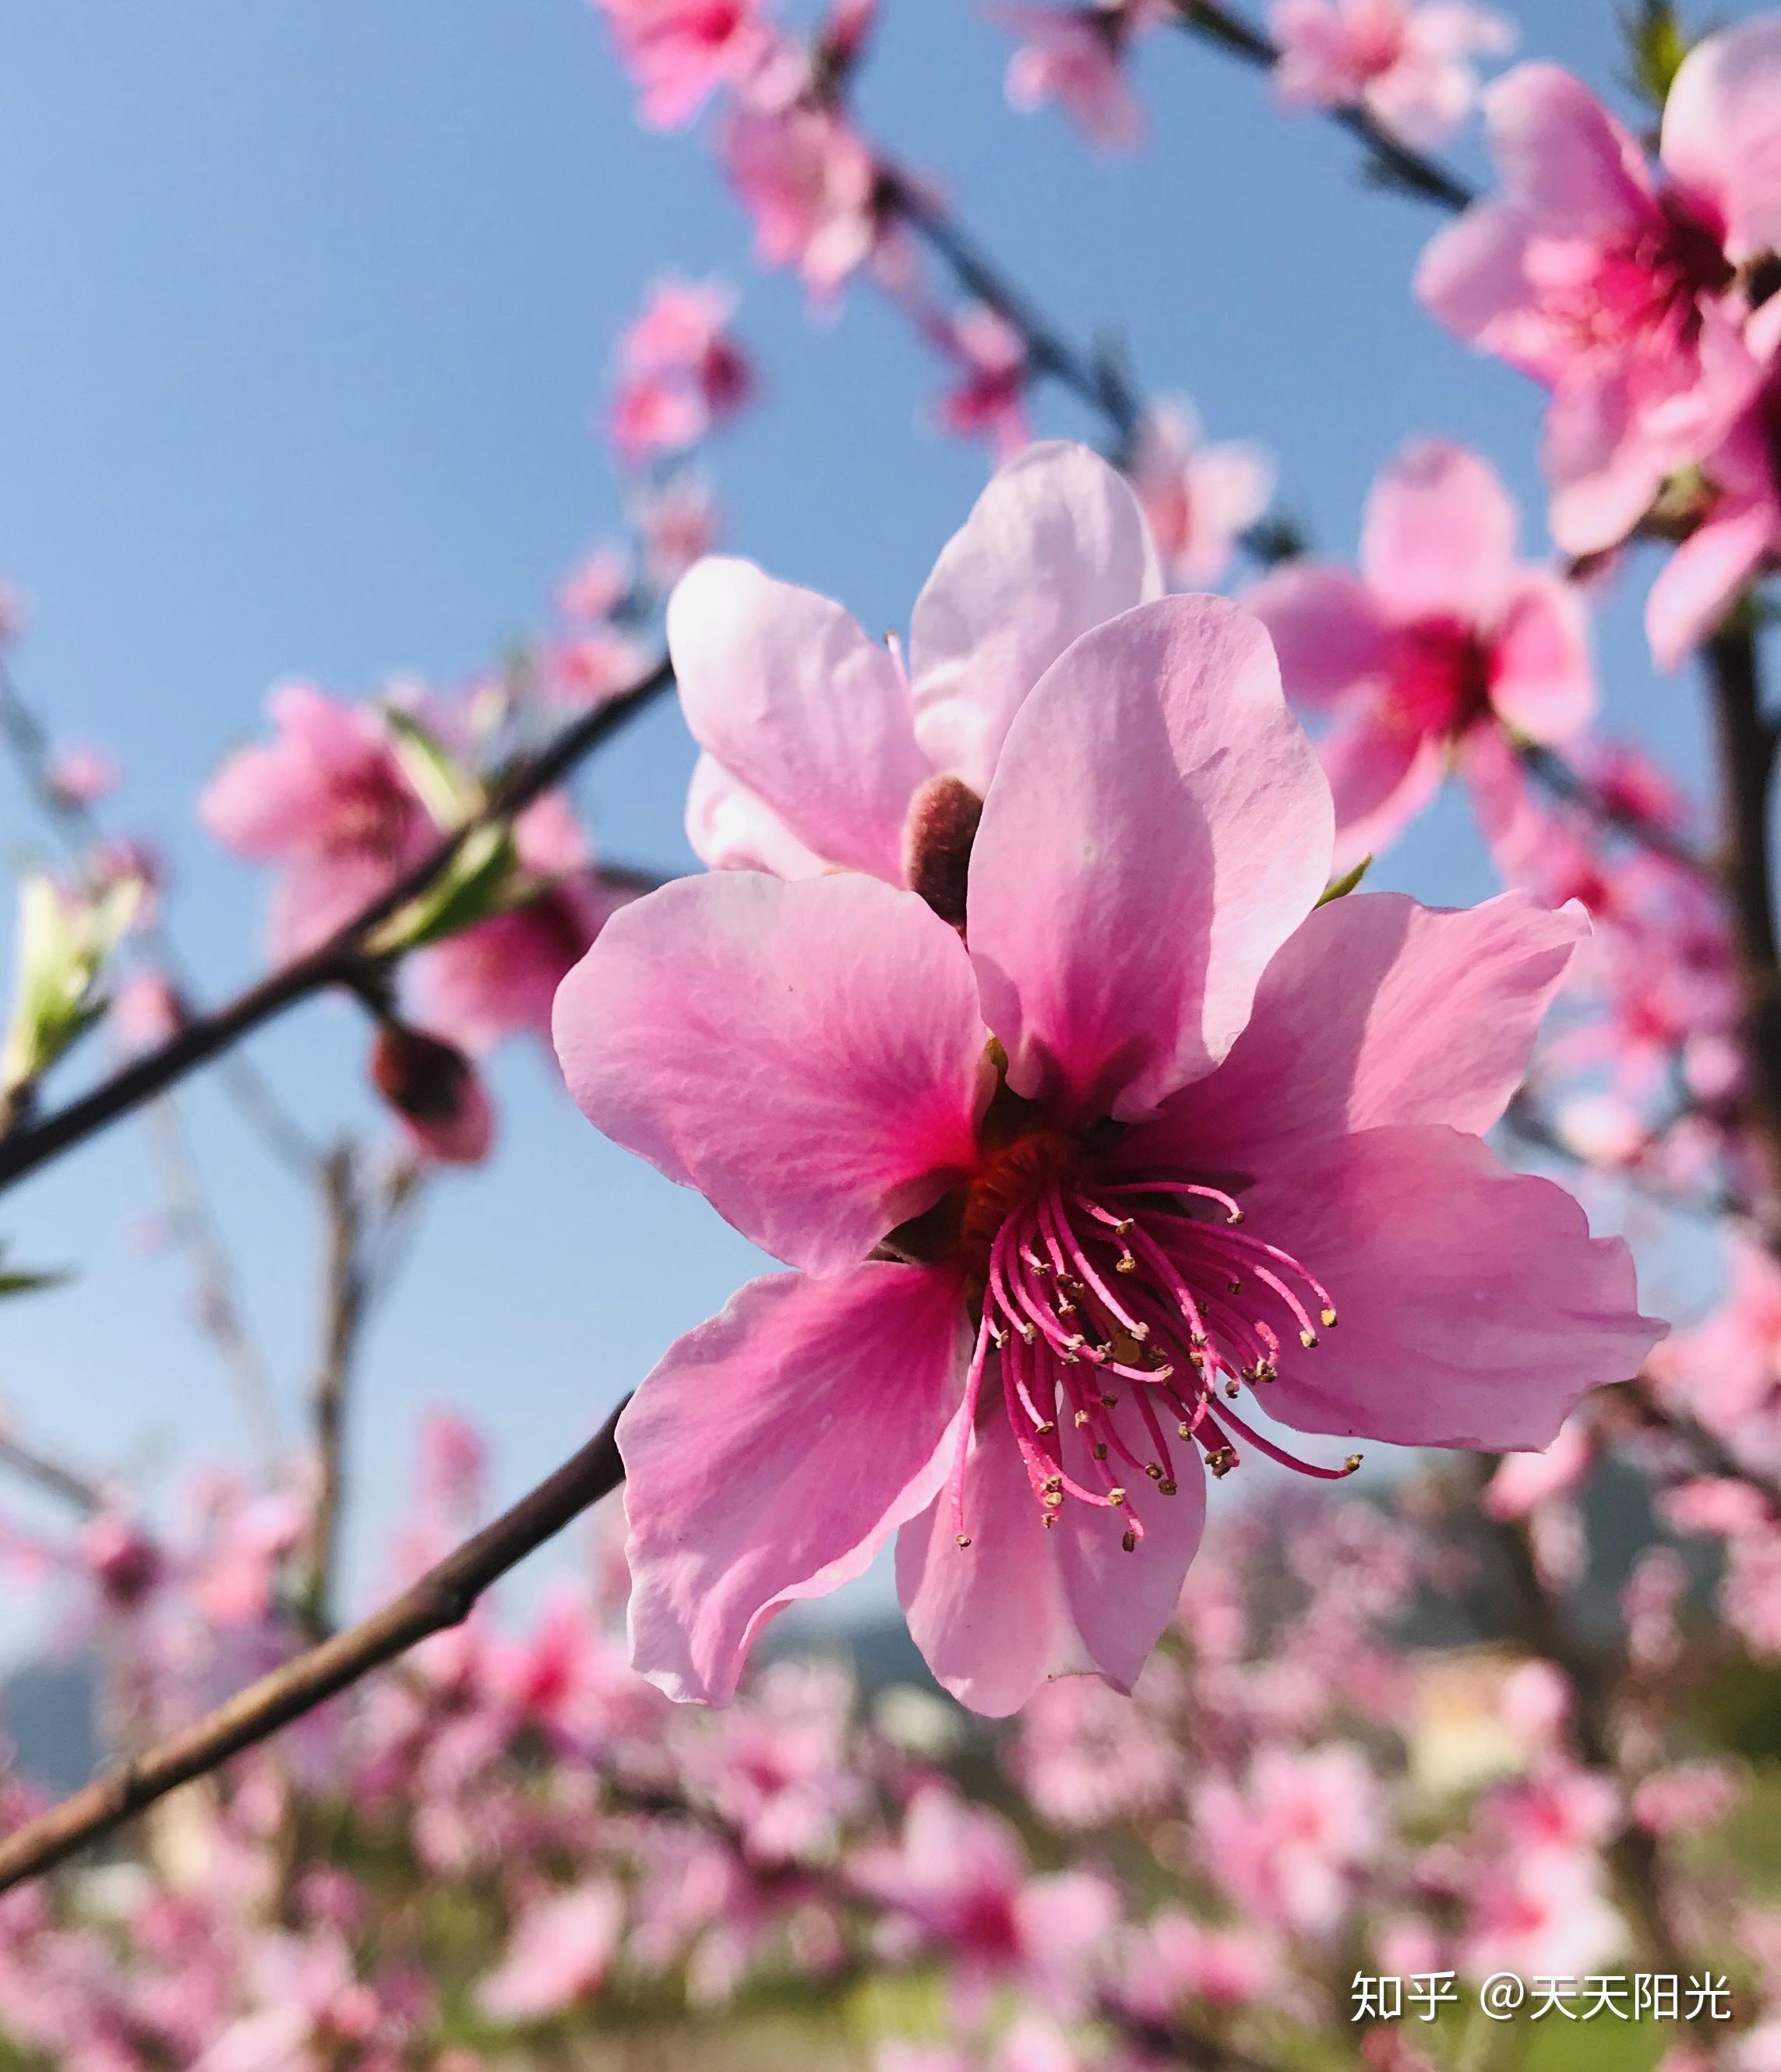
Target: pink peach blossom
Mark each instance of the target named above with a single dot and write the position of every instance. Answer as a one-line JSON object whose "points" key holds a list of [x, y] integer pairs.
{"points": [[681, 51], [821, 748], [1289, 1843], [682, 373], [327, 801], [1407, 64], [1739, 537], [1726, 1372], [811, 186], [1199, 498], [80, 775], [1075, 55], [1620, 295], [1443, 641], [498, 978], [1004, 1173], [561, 1947], [989, 401]]}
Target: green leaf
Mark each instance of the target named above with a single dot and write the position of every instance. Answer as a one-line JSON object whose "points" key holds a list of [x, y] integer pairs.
{"points": [[1339, 888], [22, 1280], [475, 885], [64, 940], [450, 793], [1656, 44]]}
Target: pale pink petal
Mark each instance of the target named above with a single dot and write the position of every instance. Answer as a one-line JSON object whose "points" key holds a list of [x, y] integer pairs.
{"points": [[730, 829], [988, 1618], [1055, 545], [1542, 680], [1377, 1011], [1603, 466], [772, 1452], [561, 1947], [1119, 1603], [1722, 131], [1327, 630], [1381, 775], [1439, 535], [809, 1056], [1516, 827], [1476, 1308], [1703, 577], [793, 699], [1157, 828], [1472, 277], [1563, 157]]}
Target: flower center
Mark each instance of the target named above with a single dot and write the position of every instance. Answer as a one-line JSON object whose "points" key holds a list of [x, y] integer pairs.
{"points": [[1114, 1310], [1440, 679]]}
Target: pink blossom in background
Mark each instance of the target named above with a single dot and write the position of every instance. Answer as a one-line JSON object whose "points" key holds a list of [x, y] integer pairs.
{"points": [[989, 401], [328, 804], [146, 1012], [562, 1945], [1739, 537], [1289, 1844], [682, 374], [810, 187], [678, 521], [1076, 57], [80, 775], [587, 671], [1407, 62], [498, 978], [1199, 498], [680, 52], [1171, 1018], [1526, 1481], [1725, 1372], [1443, 641], [958, 1880], [595, 587], [1619, 294]]}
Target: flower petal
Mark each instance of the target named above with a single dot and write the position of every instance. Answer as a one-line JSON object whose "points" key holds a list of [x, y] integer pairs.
{"points": [[1541, 678], [1158, 828], [988, 1618], [1722, 131], [731, 830], [1475, 1307], [1563, 157], [1328, 631], [1439, 534], [1378, 1011], [809, 1056], [773, 1450], [1056, 544], [1381, 775], [797, 704], [1701, 580], [1119, 1603]]}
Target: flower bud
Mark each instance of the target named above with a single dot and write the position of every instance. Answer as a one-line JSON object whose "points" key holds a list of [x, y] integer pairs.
{"points": [[433, 1089]]}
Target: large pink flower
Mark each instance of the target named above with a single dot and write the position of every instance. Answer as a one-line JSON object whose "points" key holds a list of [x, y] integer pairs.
{"points": [[1061, 1188], [1443, 640], [681, 51], [1621, 294], [824, 747]]}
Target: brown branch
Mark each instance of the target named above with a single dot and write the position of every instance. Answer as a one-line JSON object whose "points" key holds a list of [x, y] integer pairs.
{"points": [[1395, 162], [1747, 748], [442, 1598], [335, 962], [1566, 781]]}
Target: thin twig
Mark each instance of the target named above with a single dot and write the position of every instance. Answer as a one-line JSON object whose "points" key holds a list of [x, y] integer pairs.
{"points": [[343, 1301], [79, 1491], [1396, 163], [442, 1598], [1566, 781], [340, 959]]}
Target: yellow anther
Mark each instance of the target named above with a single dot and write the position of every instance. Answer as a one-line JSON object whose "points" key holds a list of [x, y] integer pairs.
{"points": [[1152, 1471], [1100, 1452], [1167, 1487], [964, 1539], [1082, 1419], [1326, 1316], [1116, 1497], [1125, 1264], [1352, 1462], [1307, 1339], [1045, 1430], [1054, 1498], [1128, 1541]]}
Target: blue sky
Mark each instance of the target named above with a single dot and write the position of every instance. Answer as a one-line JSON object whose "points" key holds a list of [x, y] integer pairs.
{"points": [[306, 313]]}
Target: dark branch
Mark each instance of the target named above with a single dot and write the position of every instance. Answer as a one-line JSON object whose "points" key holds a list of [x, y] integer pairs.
{"points": [[338, 961], [442, 1598]]}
